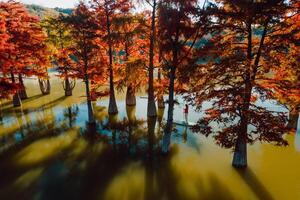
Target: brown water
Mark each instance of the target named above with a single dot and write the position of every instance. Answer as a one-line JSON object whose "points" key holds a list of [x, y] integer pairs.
{"points": [[48, 152]]}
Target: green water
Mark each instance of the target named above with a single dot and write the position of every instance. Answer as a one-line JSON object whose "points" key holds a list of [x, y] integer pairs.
{"points": [[47, 151]]}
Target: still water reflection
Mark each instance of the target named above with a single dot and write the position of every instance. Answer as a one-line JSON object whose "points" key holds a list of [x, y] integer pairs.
{"points": [[47, 151]]}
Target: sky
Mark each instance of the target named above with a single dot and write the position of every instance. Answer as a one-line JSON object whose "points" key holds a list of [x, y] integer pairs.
{"points": [[53, 3], [59, 3]]}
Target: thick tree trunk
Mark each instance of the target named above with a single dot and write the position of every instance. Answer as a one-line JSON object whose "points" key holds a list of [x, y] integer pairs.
{"points": [[48, 87], [113, 120], [169, 126], [151, 109], [45, 86], [160, 115], [68, 88], [240, 151], [91, 118], [17, 100], [130, 97], [161, 102], [131, 110], [293, 119], [22, 91]]}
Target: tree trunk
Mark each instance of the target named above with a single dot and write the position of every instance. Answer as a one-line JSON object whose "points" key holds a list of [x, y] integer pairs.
{"points": [[161, 102], [16, 98], [130, 96], [22, 91], [113, 120], [1, 114], [240, 151], [160, 99], [45, 86], [91, 118], [169, 126], [68, 89], [112, 108], [131, 110], [151, 109], [293, 119], [160, 115], [48, 88]]}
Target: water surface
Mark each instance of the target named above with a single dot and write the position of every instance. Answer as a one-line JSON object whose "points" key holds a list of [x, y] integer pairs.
{"points": [[47, 151]]}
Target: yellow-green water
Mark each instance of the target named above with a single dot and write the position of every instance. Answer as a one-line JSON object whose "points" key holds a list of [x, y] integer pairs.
{"points": [[48, 152]]}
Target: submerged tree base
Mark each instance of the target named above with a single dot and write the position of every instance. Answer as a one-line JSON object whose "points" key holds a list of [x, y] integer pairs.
{"points": [[151, 110], [68, 93], [240, 156], [161, 103], [16, 100], [130, 98], [45, 86], [293, 120], [23, 94], [112, 108]]}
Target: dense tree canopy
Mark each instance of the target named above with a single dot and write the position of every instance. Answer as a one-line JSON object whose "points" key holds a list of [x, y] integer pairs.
{"points": [[25, 53]]}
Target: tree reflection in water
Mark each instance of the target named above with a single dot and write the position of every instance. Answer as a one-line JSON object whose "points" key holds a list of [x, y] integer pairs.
{"points": [[115, 158]]}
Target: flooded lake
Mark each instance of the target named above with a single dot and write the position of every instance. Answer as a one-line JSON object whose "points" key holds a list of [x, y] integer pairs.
{"points": [[47, 151]]}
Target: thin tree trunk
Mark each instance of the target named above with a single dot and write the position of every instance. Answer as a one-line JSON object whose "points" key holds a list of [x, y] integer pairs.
{"points": [[130, 96], [1, 114], [112, 108], [22, 91], [70, 117], [172, 74], [160, 100], [169, 126], [151, 109], [91, 118]]}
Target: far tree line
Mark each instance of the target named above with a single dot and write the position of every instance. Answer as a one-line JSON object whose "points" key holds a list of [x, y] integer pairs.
{"points": [[231, 53]]}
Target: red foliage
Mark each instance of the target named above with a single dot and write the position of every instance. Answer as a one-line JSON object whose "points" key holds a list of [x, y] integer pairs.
{"points": [[23, 50]]}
